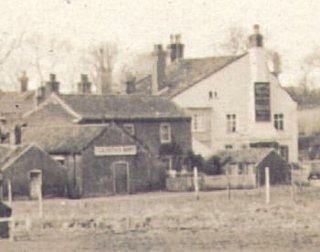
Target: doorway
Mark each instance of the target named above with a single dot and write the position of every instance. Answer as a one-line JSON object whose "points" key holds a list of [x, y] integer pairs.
{"points": [[35, 183], [121, 183]]}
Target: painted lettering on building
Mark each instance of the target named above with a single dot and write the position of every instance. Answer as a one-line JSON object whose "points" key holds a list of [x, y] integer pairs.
{"points": [[115, 150]]}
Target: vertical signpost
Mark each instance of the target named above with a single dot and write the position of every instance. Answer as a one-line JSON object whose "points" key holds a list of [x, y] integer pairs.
{"points": [[196, 182], [267, 175]]}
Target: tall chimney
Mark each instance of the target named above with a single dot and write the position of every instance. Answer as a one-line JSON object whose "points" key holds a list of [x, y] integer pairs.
{"points": [[23, 82], [159, 69], [105, 74], [15, 135], [175, 48], [130, 84], [256, 39], [52, 86], [40, 94], [258, 57], [84, 86]]}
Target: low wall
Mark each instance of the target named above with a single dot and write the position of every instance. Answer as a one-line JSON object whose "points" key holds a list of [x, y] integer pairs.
{"points": [[216, 182], [232, 181], [179, 184]]}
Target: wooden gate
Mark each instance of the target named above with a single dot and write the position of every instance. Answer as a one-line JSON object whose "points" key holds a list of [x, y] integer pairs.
{"points": [[121, 183]]}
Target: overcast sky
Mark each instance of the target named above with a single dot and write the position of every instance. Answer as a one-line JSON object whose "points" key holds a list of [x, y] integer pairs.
{"points": [[291, 26]]}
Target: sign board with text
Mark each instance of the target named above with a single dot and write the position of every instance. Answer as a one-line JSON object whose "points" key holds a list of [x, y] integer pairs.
{"points": [[115, 150]]}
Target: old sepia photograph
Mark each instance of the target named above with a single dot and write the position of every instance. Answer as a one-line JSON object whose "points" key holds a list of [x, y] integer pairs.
{"points": [[159, 125]]}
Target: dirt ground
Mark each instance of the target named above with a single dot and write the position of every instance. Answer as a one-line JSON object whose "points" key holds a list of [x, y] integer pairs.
{"points": [[172, 222]]}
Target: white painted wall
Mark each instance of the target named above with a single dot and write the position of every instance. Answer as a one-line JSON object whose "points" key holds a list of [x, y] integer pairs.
{"points": [[234, 86]]}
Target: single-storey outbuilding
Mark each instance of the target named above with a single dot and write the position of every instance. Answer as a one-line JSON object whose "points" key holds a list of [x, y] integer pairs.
{"points": [[100, 159], [29, 168], [247, 167]]}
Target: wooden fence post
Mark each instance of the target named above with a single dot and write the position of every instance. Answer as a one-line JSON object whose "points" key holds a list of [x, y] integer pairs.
{"points": [[267, 181]]}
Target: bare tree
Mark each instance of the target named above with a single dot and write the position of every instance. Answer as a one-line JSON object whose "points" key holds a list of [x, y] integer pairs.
{"points": [[8, 45], [310, 65], [235, 42], [102, 59], [46, 54]]}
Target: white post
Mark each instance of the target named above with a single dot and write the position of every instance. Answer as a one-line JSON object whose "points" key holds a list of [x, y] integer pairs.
{"points": [[40, 202], [291, 181], [196, 182], [267, 181], [11, 229], [9, 193]]}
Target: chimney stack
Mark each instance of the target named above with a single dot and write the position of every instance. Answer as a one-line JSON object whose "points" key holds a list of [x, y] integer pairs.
{"points": [[15, 136], [44, 91], [175, 48], [52, 86], [84, 86], [258, 57], [105, 72], [131, 84], [23, 82], [256, 39], [159, 69], [41, 94]]}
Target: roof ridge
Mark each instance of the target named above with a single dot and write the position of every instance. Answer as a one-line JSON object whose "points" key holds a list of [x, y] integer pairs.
{"points": [[215, 57]]}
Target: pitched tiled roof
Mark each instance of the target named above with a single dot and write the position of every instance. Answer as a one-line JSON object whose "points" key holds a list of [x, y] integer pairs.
{"points": [[252, 155], [61, 139], [14, 153], [15, 102], [122, 107], [186, 73], [4, 150]]}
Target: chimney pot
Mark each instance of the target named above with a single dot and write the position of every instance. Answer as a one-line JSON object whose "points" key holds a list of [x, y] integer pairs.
{"points": [[178, 36], [256, 29], [256, 39], [131, 84], [84, 86], [24, 82], [171, 38], [52, 86], [176, 48], [84, 77], [52, 77]]}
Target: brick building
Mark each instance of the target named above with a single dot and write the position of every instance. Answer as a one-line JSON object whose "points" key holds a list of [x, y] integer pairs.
{"points": [[155, 122], [73, 126], [100, 160]]}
